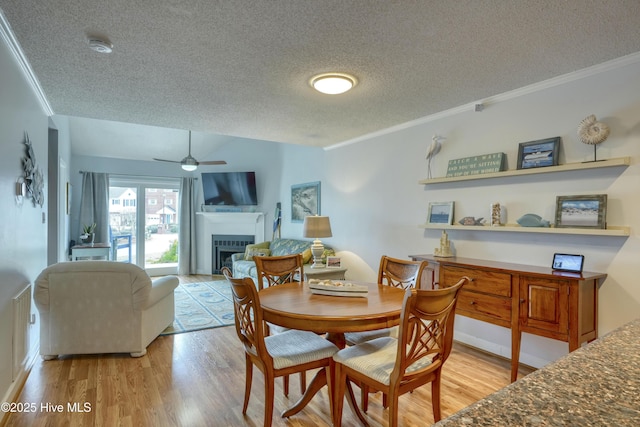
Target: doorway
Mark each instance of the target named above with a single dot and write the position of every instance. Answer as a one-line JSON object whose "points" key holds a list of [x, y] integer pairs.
{"points": [[144, 222]]}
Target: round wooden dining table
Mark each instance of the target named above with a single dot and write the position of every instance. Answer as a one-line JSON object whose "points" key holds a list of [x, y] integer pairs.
{"points": [[294, 306]]}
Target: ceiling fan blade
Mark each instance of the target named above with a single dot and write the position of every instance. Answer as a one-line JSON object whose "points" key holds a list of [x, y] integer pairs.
{"points": [[170, 161], [213, 162]]}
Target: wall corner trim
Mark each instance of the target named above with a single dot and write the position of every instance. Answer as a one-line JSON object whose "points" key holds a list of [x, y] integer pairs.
{"points": [[12, 43]]}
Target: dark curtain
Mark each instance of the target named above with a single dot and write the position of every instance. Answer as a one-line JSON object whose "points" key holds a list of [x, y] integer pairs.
{"points": [[94, 204], [187, 236]]}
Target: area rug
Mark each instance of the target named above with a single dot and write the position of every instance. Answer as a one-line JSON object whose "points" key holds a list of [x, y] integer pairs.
{"points": [[201, 305]]}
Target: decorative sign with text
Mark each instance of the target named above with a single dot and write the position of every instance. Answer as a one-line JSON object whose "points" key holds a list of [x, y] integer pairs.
{"points": [[476, 165]]}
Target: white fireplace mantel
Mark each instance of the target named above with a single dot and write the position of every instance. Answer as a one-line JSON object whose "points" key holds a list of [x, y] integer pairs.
{"points": [[221, 223]]}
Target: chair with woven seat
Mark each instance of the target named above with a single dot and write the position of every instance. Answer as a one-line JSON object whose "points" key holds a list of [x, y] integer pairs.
{"points": [[399, 365], [276, 355], [226, 272], [276, 270], [394, 272], [398, 273], [273, 271]]}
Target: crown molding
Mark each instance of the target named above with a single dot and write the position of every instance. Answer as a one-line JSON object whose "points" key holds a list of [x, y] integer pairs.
{"points": [[14, 47], [614, 64]]}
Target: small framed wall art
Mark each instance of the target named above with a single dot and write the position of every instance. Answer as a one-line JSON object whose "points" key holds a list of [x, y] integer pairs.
{"points": [[538, 154], [333, 262], [589, 211], [305, 200], [440, 213]]}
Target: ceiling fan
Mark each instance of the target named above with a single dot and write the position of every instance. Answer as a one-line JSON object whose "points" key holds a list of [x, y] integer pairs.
{"points": [[189, 163]]}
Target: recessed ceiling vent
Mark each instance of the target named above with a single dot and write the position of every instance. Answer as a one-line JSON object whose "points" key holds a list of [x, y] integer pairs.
{"points": [[100, 46]]}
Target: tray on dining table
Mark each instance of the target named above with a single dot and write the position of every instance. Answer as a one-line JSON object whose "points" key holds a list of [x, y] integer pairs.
{"points": [[338, 288]]}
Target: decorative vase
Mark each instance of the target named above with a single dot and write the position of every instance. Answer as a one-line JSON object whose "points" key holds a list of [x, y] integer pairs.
{"points": [[87, 239]]}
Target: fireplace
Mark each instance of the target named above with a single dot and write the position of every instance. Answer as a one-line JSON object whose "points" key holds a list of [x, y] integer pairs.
{"points": [[224, 224], [225, 245]]}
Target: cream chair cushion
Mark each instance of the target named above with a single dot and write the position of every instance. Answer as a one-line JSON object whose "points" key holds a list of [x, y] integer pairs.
{"points": [[295, 347], [91, 307], [376, 358]]}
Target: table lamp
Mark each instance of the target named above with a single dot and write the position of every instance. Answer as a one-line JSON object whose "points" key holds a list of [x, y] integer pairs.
{"points": [[315, 227]]}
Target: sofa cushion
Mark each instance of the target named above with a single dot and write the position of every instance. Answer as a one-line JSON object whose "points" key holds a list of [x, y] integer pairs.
{"points": [[306, 256], [244, 268], [280, 247], [260, 249]]}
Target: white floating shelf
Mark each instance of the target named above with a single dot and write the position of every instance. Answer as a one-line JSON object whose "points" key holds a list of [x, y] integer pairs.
{"points": [[620, 161], [620, 231]]}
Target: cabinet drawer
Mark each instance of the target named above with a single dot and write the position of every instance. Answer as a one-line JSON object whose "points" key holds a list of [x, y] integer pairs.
{"points": [[484, 307], [488, 282]]}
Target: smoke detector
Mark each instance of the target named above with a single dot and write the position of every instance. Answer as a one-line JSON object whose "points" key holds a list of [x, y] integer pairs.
{"points": [[100, 46]]}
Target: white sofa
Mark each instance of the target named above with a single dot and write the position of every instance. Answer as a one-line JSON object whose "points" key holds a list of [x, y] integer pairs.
{"points": [[92, 307]]}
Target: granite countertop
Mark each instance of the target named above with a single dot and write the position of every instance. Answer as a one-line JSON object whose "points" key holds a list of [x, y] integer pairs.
{"points": [[596, 385]]}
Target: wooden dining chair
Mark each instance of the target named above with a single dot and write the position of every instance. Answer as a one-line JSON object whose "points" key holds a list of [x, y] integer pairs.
{"points": [[273, 271], [226, 272], [276, 355], [399, 365], [394, 272]]}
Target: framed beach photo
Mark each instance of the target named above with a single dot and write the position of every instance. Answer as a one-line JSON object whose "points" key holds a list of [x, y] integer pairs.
{"points": [[538, 154], [333, 262], [440, 213], [305, 200], [581, 211]]}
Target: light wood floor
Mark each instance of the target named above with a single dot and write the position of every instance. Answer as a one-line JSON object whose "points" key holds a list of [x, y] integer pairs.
{"points": [[197, 379]]}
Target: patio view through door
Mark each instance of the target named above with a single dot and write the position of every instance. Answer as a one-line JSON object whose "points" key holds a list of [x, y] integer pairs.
{"points": [[144, 219]]}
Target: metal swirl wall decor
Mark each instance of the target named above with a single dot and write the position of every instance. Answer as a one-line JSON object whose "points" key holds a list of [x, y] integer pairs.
{"points": [[33, 177]]}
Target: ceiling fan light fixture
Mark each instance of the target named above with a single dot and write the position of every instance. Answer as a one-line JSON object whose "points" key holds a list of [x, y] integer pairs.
{"points": [[189, 164], [333, 83]]}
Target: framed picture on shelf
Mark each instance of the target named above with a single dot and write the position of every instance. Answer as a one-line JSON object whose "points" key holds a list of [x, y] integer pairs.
{"points": [[538, 154], [333, 262], [440, 213], [305, 200], [589, 211]]}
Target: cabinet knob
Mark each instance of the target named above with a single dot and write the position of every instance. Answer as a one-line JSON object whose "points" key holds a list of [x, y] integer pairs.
{"points": [[472, 302], [522, 300]]}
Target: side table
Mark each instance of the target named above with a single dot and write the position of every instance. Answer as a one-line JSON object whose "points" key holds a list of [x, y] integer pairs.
{"points": [[325, 273], [89, 251]]}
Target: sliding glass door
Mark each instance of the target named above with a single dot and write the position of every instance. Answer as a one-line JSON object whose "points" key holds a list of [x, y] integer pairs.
{"points": [[144, 218]]}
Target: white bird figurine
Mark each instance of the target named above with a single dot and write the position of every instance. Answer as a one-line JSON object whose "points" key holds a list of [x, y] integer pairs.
{"points": [[434, 149]]}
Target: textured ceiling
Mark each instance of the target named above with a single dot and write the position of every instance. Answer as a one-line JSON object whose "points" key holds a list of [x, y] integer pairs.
{"points": [[241, 68]]}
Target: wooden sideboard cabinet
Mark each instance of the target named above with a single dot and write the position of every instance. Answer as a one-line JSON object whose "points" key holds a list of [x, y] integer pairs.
{"points": [[523, 298]]}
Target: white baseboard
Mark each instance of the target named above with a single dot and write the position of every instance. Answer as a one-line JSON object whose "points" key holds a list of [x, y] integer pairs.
{"points": [[500, 350], [13, 392]]}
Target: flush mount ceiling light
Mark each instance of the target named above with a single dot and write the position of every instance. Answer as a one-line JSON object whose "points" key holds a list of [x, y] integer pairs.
{"points": [[333, 83], [100, 46]]}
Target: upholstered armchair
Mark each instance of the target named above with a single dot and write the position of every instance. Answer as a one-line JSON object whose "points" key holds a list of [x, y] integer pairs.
{"points": [[91, 307]]}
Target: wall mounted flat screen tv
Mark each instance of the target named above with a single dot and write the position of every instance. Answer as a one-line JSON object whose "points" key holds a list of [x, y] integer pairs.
{"points": [[229, 188]]}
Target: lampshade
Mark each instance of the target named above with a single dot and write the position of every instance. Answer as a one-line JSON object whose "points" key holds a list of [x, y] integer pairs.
{"points": [[316, 226]]}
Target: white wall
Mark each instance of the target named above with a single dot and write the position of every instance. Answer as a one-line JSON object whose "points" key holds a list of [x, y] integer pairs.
{"points": [[370, 190], [23, 234]]}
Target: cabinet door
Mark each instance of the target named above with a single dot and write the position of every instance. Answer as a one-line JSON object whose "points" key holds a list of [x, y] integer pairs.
{"points": [[544, 307]]}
